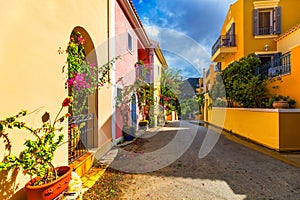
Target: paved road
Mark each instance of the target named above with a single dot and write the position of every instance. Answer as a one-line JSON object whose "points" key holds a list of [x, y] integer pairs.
{"points": [[230, 171]]}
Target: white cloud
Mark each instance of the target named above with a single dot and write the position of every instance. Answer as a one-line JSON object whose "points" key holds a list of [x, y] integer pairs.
{"points": [[153, 32], [181, 51]]}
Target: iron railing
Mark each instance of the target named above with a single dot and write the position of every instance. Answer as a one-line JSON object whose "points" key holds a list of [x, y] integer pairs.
{"points": [[80, 135], [275, 67], [265, 30], [223, 41]]}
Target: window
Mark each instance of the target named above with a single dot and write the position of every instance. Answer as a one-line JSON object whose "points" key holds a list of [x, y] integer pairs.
{"points": [[218, 67], [130, 42], [119, 92], [267, 21]]}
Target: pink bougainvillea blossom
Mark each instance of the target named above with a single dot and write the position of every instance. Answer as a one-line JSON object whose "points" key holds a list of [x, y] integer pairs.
{"points": [[81, 40]]}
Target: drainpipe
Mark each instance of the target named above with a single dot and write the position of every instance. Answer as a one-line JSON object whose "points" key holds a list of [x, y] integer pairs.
{"points": [[111, 53]]}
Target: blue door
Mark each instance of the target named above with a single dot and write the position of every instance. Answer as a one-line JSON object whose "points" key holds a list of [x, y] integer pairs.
{"points": [[133, 110]]}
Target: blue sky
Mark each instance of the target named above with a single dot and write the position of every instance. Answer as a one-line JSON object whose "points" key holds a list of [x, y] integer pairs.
{"points": [[185, 29]]}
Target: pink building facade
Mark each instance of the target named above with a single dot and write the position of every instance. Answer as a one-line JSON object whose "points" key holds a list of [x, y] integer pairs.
{"points": [[131, 43]]}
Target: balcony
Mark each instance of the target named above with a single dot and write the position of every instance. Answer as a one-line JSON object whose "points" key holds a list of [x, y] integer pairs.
{"points": [[223, 47], [275, 67]]}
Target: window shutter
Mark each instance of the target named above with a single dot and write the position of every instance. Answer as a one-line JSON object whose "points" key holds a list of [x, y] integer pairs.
{"points": [[276, 59], [232, 35], [278, 20], [255, 22]]}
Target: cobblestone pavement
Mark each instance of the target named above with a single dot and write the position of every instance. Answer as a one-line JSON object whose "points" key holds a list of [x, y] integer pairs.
{"points": [[230, 171]]}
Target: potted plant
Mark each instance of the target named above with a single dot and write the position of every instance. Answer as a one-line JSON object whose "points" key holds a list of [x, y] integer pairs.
{"points": [[128, 132], [36, 158], [143, 124], [280, 101]]}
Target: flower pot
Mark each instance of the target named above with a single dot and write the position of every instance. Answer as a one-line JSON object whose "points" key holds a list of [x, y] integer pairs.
{"points": [[128, 137], [50, 190], [280, 104], [128, 132]]}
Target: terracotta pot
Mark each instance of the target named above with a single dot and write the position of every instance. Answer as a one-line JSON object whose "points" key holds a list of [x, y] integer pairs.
{"points": [[50, 190], [169, 117], [280, 104]]}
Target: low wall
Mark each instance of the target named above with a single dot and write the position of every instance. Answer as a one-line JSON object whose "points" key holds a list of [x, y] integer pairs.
{"points": [[278, 129]]}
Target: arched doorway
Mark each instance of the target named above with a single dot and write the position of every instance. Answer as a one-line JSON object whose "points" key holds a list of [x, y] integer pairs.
{"points": [[82, 59]]}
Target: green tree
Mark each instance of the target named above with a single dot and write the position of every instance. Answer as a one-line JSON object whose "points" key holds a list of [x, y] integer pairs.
{"points": [[170, 82], [241, 83], [218, 93], [200, 99]]}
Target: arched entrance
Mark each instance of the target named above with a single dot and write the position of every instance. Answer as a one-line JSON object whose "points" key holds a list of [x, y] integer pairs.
{"points": [[82, 59]]}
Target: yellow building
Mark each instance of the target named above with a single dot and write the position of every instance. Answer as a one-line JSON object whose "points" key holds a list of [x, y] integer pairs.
{"points": [[269, 29], [31, 69], [251, 27], [257, 26], [158, 64], [288, 44]]}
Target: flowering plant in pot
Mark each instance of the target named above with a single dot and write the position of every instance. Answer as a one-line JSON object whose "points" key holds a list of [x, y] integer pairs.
{"points": [[143, 124], [36, 158]]}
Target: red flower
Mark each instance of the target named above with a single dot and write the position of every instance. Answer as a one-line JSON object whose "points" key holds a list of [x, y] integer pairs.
{"points": [[67, 115], [67, 102]]}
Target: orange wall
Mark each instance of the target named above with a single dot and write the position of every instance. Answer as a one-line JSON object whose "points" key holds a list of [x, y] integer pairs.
{"points": [[289, 84]]}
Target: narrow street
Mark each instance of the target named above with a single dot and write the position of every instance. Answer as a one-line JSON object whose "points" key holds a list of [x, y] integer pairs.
{"points": [[229, 171]]}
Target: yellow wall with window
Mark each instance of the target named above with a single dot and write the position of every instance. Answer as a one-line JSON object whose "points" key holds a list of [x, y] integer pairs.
{"points": [[241, 13]]}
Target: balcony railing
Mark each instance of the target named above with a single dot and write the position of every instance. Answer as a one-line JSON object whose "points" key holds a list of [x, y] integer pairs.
{"points": [[266, 30], [223, 41], [275, 67], [81, 135]]}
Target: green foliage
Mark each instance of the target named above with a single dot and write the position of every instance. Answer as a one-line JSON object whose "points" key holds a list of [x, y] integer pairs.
{"points": [[35, 159], [169, 89], [218, 93], [188, 106], [241, 83], [84, 78], [200, 99], [279, 97], [144, 92]]}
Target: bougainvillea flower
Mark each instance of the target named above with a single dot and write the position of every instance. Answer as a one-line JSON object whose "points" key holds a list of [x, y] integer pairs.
{"points": [[70, 82], [79, 80], [81, 40]]}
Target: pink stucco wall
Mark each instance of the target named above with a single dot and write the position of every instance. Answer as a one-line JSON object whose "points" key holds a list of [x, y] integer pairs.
{"points": [[125, 67]]}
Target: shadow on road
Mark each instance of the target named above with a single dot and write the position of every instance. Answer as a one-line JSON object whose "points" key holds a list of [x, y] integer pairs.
{"points": [[245, 171]]}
